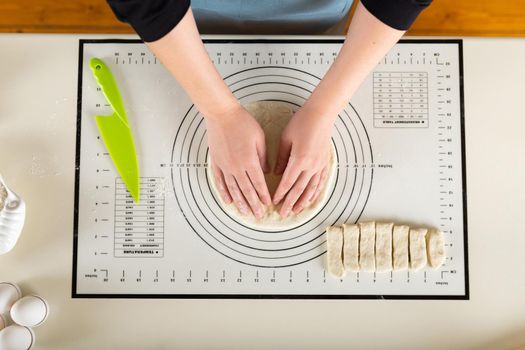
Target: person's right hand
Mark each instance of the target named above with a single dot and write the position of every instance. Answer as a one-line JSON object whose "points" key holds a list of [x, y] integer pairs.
{"points": [[238, 160]]}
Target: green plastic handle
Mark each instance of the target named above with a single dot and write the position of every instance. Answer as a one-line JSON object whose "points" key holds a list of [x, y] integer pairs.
{"points": [[107, 83]]}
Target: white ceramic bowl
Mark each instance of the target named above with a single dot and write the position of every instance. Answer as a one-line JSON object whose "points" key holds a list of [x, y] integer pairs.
{"points": [[12, 217]]}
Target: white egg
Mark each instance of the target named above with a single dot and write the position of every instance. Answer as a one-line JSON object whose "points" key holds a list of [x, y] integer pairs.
{"points": [[3, 322], [30, 311], [9, 294], [16, 338]]}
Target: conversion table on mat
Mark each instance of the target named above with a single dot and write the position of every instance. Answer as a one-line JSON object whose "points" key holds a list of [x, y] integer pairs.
{"points": [[400, 155]]}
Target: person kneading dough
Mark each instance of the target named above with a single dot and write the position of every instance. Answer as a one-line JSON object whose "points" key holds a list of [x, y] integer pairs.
{"points": [[235, 139], [273, 116]]}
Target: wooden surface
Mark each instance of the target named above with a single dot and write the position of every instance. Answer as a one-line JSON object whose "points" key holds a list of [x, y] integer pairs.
{"points": [[443, 17]]}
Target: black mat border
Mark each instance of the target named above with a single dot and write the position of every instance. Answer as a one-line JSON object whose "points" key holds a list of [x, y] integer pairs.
{"points": [[75, 294]]}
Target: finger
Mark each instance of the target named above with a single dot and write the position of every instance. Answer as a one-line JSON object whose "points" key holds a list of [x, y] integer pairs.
{"points": [[259, 183], [290, 176], [236, 194], [250, 195], [221, 185], [282, 157], [294, 194], [263, 157], [308, 193], [322, 183]]}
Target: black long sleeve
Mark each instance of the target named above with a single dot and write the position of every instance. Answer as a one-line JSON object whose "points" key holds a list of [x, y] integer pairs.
{"points": [[152, 19], [398, 14]]}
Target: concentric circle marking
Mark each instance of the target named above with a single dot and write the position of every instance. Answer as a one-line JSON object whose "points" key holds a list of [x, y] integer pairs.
{"points": [[225, 235]]}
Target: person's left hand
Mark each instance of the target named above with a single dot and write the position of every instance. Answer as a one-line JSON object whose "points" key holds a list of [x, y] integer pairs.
{"points": [[303, 158]]}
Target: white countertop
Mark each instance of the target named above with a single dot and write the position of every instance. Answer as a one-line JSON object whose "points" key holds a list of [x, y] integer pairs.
{"points": [[38, 90]]}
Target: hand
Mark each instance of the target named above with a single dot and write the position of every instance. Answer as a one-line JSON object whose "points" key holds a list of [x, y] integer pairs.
{"points": [[303, 158], [238, 160]]}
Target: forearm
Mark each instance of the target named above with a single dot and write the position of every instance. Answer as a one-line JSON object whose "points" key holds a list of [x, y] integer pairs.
{"points": [[183, 54], [367, 41]]}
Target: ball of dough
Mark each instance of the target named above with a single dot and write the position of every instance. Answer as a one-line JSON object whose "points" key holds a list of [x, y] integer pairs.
{"points": [[273, 116]]}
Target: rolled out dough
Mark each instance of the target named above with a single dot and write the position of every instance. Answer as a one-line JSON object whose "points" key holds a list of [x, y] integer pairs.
{"points": [[418, 249], [400, 247], [435, 248], [384, 247], [334, 251], [351, 247], [367, 242], [273, 116]]}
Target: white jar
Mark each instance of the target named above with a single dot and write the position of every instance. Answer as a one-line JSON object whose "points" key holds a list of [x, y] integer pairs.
{"points": [[12, 217]]}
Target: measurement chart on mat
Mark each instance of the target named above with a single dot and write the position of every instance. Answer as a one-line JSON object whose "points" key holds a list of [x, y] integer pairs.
{"points": [[400, 157]]}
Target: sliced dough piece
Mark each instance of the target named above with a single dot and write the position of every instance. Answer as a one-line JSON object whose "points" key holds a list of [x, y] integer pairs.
{"points": [[384, 247], [334, 251], [400, 247], [351, 247], [418, 248], [435, 248], [367, 241]]}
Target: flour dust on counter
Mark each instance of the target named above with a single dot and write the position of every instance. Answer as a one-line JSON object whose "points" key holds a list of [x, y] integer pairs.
{"points": [[399, 151]]}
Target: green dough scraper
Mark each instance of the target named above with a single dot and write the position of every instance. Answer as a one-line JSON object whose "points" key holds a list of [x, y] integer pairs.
{"points": [[115, 130]]}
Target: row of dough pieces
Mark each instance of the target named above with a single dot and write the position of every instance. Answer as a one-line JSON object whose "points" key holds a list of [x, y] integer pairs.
{"points": [[382, 247]]}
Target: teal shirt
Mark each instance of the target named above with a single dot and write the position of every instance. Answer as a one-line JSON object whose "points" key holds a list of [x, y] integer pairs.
{"points": [[268, 16], [152, 19]]}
